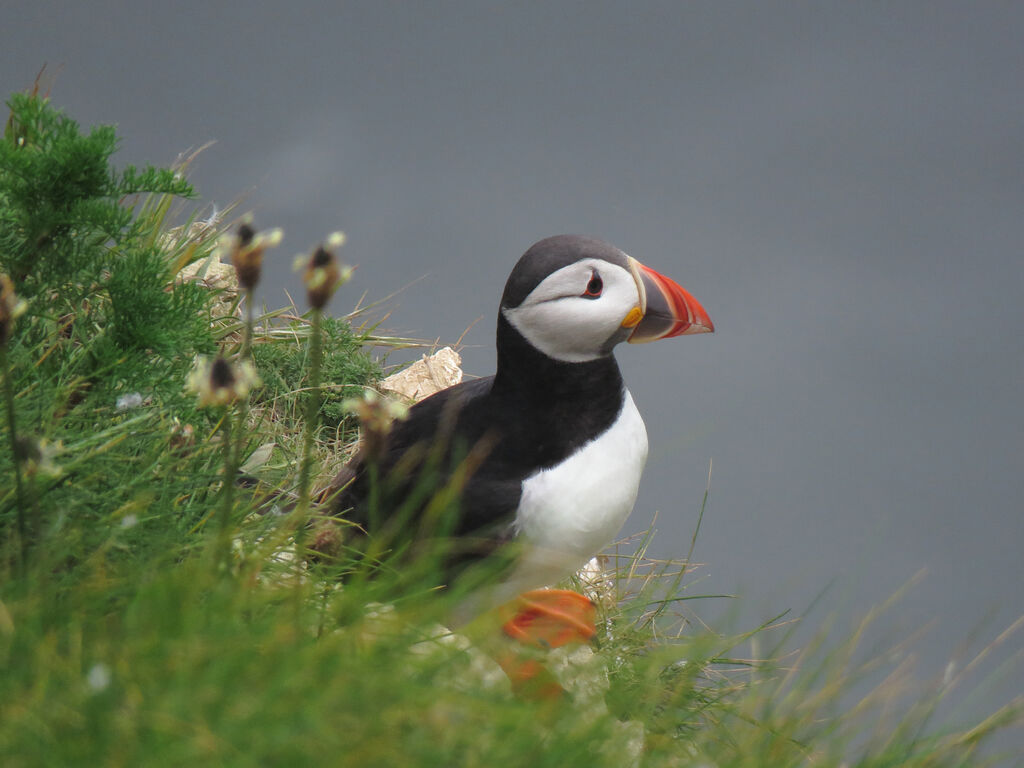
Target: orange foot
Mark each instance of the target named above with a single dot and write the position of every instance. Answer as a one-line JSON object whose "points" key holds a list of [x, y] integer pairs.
{"points": [[544, 618]]}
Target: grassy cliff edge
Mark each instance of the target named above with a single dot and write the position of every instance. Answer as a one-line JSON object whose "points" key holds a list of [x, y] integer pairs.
{"points": [[131, 634]]}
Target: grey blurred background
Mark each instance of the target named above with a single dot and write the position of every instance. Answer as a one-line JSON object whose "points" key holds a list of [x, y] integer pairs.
{"points": [[841, 185]]}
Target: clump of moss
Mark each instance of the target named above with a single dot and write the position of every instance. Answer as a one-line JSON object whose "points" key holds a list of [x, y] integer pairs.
{"points": [[284, 368]]}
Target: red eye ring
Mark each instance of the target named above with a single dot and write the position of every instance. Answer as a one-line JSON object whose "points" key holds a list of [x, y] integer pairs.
{"points": [[594, 287]]}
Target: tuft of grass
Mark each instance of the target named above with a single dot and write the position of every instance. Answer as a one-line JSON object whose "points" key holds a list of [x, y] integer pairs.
{"points": [[121, 645], [282, 356]]}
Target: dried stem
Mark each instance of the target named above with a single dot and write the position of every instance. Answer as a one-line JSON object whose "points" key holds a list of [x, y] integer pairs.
{"points": [[227, 490], [312, 416], [21, 498]]}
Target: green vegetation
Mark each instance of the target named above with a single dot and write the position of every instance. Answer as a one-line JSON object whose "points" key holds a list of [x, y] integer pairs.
{"points": [[284, 368], [135, 631]]}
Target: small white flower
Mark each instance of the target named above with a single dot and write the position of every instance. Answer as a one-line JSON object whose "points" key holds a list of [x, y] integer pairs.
{"points": [[129, 521], [213, 219], [219, 382], [37, 456], [246, 248], [323, 273], [129, 401], [98, 677]]}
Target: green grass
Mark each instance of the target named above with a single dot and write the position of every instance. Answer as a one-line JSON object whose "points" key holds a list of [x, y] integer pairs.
{"points": [[127, 638]]}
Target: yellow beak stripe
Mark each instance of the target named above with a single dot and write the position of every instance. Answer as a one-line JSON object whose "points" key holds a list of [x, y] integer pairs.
{"points": [[633, 318]]}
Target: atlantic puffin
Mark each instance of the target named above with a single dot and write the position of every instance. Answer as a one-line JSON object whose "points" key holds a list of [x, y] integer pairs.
{"points": [[560, 445]]}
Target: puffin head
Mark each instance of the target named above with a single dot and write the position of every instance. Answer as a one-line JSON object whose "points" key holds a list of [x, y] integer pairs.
{"points": [[574, 298]]}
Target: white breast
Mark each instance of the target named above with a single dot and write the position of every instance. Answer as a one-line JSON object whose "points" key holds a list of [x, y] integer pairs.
{"points": [[573, 510]]}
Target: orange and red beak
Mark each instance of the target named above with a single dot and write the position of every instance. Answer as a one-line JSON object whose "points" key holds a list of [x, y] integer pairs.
{"points": [[666, 308]]}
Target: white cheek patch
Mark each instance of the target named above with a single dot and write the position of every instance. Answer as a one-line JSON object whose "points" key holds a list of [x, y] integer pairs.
{"points": [[558, 321]]}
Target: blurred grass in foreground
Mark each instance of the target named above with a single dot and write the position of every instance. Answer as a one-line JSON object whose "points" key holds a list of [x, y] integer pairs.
{"points": [[125, 639]]}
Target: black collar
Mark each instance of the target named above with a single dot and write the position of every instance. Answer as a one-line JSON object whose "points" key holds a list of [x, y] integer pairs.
{"points": [[560, 406]]}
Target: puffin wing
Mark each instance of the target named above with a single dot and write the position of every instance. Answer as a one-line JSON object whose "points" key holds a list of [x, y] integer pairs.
{"points": [[445, 445]]}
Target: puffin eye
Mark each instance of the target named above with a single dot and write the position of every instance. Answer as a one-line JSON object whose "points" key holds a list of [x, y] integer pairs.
{"points": [[594, 287]]}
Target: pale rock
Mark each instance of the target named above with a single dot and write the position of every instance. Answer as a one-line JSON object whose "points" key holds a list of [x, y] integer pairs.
{"points": [[426, 376]]}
